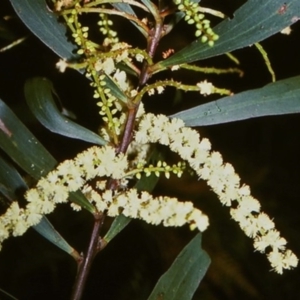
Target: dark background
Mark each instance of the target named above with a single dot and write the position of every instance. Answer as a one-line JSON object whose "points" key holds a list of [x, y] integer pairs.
{"points": [[264, 151]]}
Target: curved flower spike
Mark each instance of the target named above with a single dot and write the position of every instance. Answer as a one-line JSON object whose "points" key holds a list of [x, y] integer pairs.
{"points": [[223, 180]]}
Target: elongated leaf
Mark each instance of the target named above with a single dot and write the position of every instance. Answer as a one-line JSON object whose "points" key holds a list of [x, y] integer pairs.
{"points": [[281, 97], [11, 183], [39, 95], [255, 21], [115, 90], [46, 229], [43, 23], [152, 8], [182, 279], [119, 223], [21, 145]]}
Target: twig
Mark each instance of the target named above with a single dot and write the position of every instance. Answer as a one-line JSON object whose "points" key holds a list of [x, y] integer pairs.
{"points": [[85, 265]]}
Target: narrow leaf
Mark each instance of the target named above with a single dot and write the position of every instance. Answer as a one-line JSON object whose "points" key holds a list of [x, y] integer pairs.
{"points": [[39, 95], [255, 21], [11, 181], [281, 97], [43, 23], [119, 223], [11, 184], [115, 90], [21, 145], [183, 277], [46, 229], [152, 8]]}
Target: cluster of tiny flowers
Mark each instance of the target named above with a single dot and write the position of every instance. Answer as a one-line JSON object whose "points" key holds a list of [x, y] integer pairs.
{"points": [[159, 89], [69, 176], [206, 88], [223, 180], [99, 162], [194, 16], [153, 210]]}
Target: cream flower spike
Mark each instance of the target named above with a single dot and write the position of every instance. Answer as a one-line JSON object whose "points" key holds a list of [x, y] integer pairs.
{"points": [[153, 210], [72, 175], [223, 180], [69, 176]]}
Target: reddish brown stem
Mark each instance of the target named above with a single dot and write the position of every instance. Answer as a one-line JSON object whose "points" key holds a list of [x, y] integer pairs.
{"points": [[127, 136], [85, 265], [95, 246], [153, 41]]}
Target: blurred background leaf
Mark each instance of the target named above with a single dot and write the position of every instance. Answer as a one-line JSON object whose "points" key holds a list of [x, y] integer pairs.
{"points": [[5, 32]]}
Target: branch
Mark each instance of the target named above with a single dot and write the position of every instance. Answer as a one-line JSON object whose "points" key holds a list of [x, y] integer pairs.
{"points": [[84, 265]]}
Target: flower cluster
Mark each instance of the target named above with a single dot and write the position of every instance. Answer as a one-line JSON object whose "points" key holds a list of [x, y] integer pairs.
{"points": [[223, 180], [206, 88], [69, 176], [153, 210], [73, 175]]}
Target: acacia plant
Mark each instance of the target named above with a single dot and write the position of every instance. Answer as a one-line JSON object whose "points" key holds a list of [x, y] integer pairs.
{"points": [[114, 177]]}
